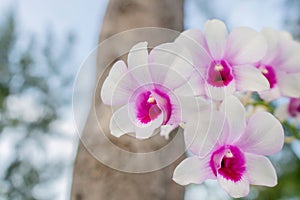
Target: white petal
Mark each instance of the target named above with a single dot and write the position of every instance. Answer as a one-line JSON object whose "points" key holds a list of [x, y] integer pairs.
{"points": [[236, 116], [249, 78], [118, 86], [289, 56], [216, 37], [264, 135], [124, 121], [120, 122], [219, 93], [271, 94], [195, 86], [289, 84], [260, 170], [202, 133], [138, 63], [195, 42], [245, 46], [193, 170], [192, 106], [235, 189], [144, 131], [170, 65], [272, 38]]}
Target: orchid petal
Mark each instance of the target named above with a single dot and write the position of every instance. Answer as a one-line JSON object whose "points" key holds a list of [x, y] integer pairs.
{"points": [[289, 56], [260, 170], [237, 189], [271, 94], [195, 42], [216, 37], [272, 38], [193, 170], [138, 63], [120, 122], [289, 84], [219, 93], [203, 133], [244, 46], [195, 86], [264, 135], [236, 116], [144, 131], [118, 86], [170, 65], [249, 78]]}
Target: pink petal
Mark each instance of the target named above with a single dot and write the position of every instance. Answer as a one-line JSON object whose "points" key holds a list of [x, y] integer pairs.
{"points": [[219, 93], [118, 86], [138, 63], [170, 65], [245, 46], [193, 170], [249, 78], [236, 116], [121, 123], [194, 40], [289, 84], [202, 133], [260, 170], [271, 94], [264, 135], [235, 189], [216, 37]]}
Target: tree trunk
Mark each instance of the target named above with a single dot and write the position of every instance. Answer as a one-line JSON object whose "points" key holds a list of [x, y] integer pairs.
{"points": [[93, 180]]}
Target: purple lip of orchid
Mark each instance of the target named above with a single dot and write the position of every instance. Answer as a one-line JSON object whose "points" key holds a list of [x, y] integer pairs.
{"points": [[150, 104], [294, 107], [229, 162], [269, 73], [219, 73]]}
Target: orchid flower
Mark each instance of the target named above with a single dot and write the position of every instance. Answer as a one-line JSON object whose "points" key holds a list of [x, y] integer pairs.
{"points": [[280, 65], [237, 158], [224, 63], [290, 110], [144, 91]]}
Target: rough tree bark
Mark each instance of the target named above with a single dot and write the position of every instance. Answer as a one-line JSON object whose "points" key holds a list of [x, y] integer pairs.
{"points": [[93, 180]]}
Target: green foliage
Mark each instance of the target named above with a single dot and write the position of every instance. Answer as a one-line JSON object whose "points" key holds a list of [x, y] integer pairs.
{"points": [[37, 73]]}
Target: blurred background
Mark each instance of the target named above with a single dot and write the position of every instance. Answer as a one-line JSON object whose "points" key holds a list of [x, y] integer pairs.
{"points": [[42, 46]]}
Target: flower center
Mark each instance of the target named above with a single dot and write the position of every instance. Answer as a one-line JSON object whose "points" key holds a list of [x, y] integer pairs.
{"points": [[269, 73], [294, 107], [219, 73], [150, 104], [229, 162]]}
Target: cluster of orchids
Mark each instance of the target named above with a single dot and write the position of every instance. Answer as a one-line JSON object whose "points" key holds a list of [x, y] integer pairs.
{"points": [[219, 87]]}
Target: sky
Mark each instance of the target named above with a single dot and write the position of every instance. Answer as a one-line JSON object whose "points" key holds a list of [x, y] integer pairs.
{"points": [[84, 19]]}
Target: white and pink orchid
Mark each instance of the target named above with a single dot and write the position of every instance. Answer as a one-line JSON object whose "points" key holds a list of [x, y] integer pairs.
{"points": [[289, 110], [237, 158], [280, 65], [160, 89], [224, 62], [144, 91]]}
